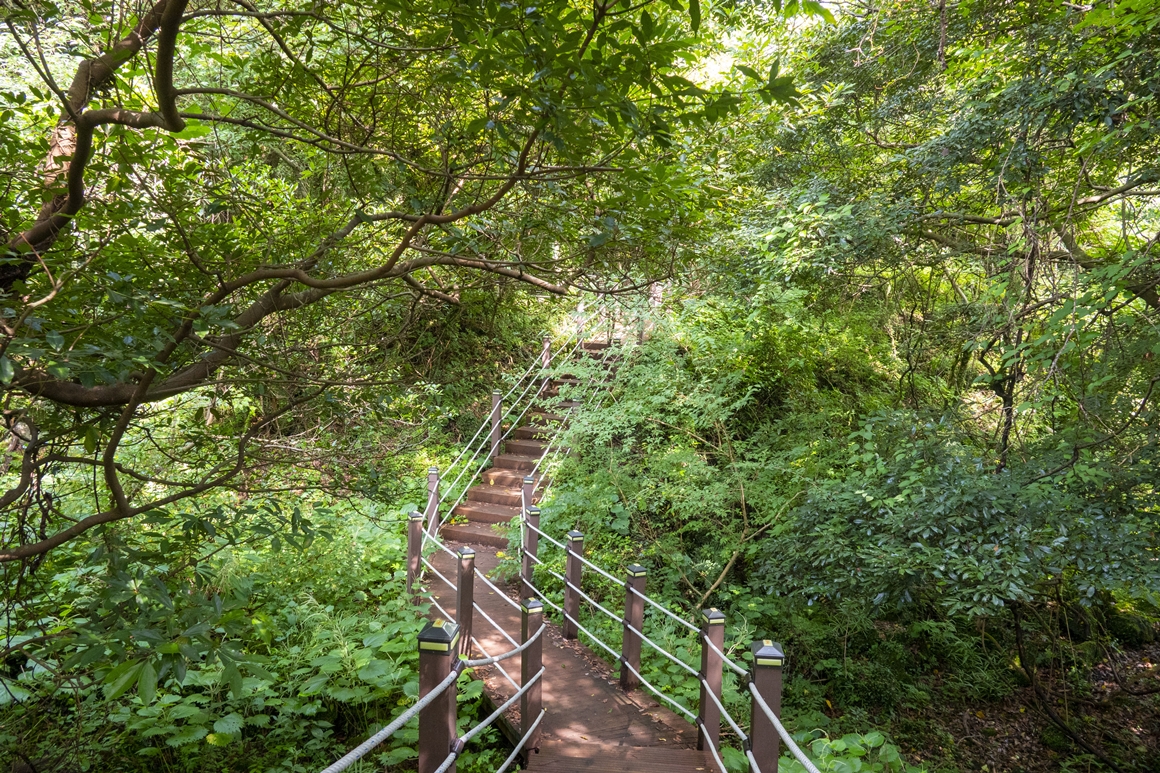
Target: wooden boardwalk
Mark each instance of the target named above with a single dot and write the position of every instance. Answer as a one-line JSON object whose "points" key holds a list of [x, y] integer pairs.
{"points": [[590, 723]]}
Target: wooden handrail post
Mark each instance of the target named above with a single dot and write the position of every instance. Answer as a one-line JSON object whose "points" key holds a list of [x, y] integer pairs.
{"points": [[432, 510], [438, 647], [634, 616], [546, 361], [465, 598], [531, 546], [496, 411], [528, 492], [414, 551], [768, 659], [573, 573], [531, 660], [709, 716]]}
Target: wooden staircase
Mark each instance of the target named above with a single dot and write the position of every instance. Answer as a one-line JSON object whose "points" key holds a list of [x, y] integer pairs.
{"points": [[497, 498]]}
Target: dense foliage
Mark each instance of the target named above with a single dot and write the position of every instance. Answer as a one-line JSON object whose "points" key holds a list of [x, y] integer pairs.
{"points": [[896, 408]]}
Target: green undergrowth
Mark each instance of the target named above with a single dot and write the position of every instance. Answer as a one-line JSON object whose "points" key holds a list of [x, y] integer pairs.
{"points": [[259, 656]]}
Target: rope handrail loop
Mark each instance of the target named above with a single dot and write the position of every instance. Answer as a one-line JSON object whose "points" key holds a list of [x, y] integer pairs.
{"points": [[510, 653], [519, 746], [798, 754], [354, 755]]}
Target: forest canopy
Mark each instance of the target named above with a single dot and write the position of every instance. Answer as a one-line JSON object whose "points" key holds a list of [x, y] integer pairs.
{"points": [[264, 261]]}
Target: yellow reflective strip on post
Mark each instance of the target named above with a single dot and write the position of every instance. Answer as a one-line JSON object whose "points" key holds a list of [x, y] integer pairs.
{"points": [[769, 661]]}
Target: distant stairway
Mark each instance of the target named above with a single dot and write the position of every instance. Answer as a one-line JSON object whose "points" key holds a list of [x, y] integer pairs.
{"points": [[497, 499]]}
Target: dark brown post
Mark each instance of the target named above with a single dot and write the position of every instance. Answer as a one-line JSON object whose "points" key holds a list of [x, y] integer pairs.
{"points": [[465, 598], [414, 550], [432, 511], [573, 573], [531, 660], [528, 492], [709, 718], [496, 400], [768, 659], [634, 616], [546, 361], [438, 645], [531, 546]]}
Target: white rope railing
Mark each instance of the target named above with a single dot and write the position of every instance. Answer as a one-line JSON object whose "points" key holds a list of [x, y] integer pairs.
{"points": [[357, 753], [466, 737], [663, 609], [489, 661], [523, 740], [798, 754]]}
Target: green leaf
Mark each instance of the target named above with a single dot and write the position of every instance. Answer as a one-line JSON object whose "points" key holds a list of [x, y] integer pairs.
{"points": [[147, 683], [7, 370], [193, 129], [695, 14], [187, 735], [121, 679], [230, 724]]}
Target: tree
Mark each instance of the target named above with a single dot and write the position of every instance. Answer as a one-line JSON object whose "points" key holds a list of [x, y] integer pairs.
{"points": [[229, 187]]}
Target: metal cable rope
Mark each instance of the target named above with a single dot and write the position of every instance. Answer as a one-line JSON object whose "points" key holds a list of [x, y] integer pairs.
{"points": [[713, 749], [724, 711], [497, 591], [663, 651], [357, 753], [655, 691], [680, 620], [583, 560], [546, 600], [466, 737], [580, 326], [560, 428], [488, 661], [478, 470], [438, 574], [596, 604], [478, 643], [725, 658], [785, 736], [494, 625], [515, 752], [428, 537]]}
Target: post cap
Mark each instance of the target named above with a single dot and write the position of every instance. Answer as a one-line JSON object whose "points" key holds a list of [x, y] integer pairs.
{"points": [[496, 392], [532, 606], [636, 570], [575, 536], [768, 653], [533, 511], [529, 479], [415, 516], [616, 341], [432, 470], [438, 636], [713, 616], [466, 552]]}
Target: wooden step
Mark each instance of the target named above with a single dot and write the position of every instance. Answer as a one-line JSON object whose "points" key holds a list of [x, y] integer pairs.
{"points": [[506, 478], [533, 432], [499, 495], [543, 416], [594, 346], [473, 534], [598, 758], [525, 447], [516, 462], [487, 512]]}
